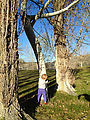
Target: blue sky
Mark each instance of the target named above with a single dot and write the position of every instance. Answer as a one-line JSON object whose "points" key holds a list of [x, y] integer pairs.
{"points": [[27, 53], [30, 57]]}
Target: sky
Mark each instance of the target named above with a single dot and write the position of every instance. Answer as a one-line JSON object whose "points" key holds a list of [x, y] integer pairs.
{"points": [[27, 53]]}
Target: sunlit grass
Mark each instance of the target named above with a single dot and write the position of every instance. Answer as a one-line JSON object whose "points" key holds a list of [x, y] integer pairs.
{"points": [[64, 107], [61, 106]]}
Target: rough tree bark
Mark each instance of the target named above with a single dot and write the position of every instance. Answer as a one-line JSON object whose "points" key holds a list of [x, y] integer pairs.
{"points": [[8, 75], [9, 106], [62, 68]]}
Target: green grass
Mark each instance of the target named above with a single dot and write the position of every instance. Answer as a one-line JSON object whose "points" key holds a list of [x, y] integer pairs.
{"points": [[61, 105], [2, 118], [83, 80]]}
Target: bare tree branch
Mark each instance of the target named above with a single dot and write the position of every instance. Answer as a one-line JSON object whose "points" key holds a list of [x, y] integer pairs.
{"points": [[41, 10], [37, 3], [57, 12]]}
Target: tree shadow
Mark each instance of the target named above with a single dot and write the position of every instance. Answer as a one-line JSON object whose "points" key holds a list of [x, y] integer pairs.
{"points": [[52, 89], [29, 89], [86, 96], [29, 102], [52, 85], [88, 67]]}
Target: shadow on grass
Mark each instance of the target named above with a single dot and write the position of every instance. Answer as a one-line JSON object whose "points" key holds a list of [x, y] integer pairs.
{"points": [[29, 89], [24, 83], [52, 88], [86, 96], [26, 78], [29, 102]]}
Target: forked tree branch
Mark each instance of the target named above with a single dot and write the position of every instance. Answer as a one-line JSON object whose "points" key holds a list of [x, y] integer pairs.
{"points": [[55, 13], [42, 9]]}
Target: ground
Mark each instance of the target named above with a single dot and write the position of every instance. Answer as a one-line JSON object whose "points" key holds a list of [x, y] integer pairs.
{"points": [[60, 106]]}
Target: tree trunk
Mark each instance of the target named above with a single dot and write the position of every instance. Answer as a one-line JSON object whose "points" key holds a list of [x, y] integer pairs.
{"points": [[62, 67], [41, 63], [9, 54], [36, 46], [9, 106]]}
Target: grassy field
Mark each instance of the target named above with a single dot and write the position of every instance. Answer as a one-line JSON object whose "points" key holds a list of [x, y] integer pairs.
{"points": [[60, 106]]}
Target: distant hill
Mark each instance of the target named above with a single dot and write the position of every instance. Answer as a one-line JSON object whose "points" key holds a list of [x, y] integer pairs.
{"points": [[28, 66], [75, 61], [79, 61]]}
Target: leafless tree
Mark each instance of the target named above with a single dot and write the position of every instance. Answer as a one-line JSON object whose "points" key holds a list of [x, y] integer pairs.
{"points": [[28, 22], [9, 63], [9, 106]]}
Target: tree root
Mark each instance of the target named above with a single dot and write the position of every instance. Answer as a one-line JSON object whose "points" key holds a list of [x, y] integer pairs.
{"points": [[26, 116], [69, 89]]}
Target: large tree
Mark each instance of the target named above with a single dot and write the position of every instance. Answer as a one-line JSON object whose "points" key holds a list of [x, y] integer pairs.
{"points": [[9, 106], [62, 71], [9, 64]]}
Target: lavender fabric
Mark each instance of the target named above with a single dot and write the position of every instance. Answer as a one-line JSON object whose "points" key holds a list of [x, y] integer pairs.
{"points": [[41, 92]]}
